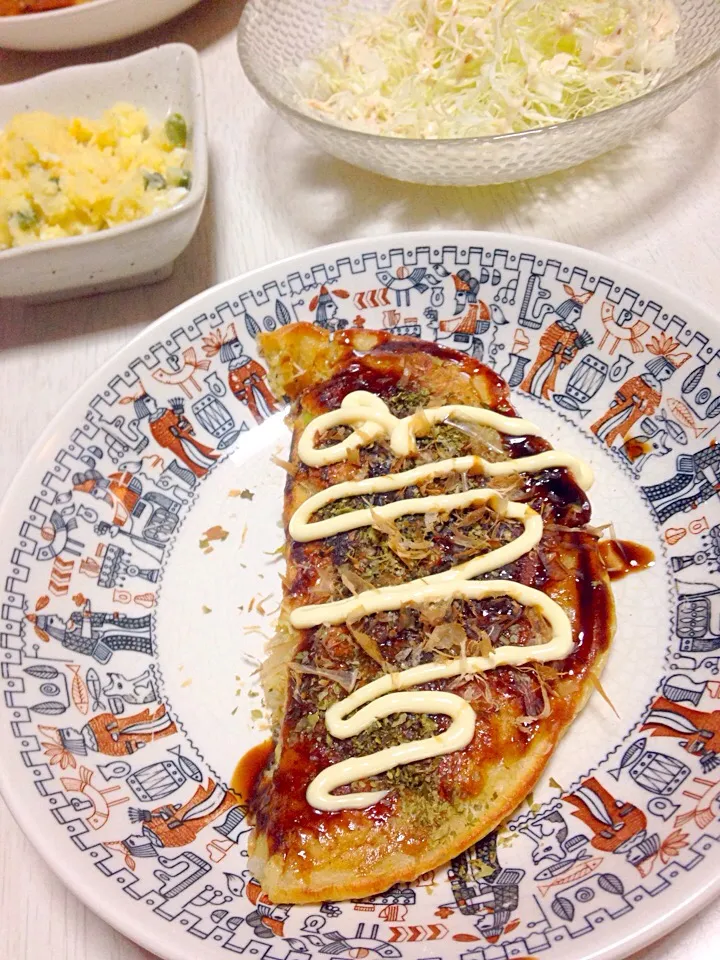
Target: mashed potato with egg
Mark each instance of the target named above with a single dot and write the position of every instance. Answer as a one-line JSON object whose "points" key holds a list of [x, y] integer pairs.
{"points": [[61, 177]]}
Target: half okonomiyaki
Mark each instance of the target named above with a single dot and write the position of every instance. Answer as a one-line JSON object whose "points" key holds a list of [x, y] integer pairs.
{"points": [[446, 612]]}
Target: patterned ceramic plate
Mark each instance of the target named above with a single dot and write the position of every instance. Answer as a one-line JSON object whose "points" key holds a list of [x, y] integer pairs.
{"points": [[141, 579]]}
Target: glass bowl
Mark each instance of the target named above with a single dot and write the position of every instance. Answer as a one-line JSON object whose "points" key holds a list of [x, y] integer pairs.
{"points": [[274, 36]]}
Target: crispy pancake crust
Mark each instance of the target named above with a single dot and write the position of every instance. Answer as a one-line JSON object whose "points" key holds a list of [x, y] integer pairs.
{"points": [[436, 810]]}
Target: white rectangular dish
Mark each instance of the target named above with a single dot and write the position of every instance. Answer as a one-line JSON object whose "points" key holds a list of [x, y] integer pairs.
{"points": [[162, 80]]}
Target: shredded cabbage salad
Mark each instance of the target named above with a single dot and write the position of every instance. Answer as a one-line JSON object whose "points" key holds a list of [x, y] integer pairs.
{"points": [[465, 68]]}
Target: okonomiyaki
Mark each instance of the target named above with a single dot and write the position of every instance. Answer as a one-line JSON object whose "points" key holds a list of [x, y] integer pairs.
{"points": [[446, 613]]}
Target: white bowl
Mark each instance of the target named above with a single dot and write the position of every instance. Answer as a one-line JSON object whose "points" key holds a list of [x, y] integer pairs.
{"points": [[99, 21], [162, 79]]}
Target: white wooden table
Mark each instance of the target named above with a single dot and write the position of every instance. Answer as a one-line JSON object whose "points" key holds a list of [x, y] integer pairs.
{"points": [[653, 204]]}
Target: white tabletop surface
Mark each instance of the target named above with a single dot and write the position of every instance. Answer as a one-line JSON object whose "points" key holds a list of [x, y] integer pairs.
{"points": [[653, 204]]}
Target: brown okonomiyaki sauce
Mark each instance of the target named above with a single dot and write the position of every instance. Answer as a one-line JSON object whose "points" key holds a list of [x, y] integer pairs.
{"points": [[623, 557], [249, 768], [380, 370], [278, 805]]}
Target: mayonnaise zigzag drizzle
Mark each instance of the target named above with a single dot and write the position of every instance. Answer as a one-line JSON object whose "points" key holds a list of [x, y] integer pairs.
{"points": [[388, 694]]}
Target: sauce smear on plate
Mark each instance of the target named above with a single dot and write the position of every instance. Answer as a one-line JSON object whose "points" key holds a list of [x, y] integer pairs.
{"points": [[622, 557], [248, 769]]}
